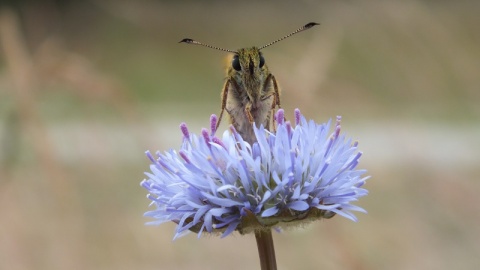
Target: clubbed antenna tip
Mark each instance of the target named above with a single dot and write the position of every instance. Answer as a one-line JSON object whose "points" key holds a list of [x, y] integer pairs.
{"points": [[310, 25], [186, 40]]}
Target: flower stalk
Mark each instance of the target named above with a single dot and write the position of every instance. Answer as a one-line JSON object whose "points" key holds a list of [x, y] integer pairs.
{"points": [[266, 250]]}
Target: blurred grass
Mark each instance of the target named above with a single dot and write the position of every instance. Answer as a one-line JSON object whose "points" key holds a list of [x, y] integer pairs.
{"points": [[112, 82]]}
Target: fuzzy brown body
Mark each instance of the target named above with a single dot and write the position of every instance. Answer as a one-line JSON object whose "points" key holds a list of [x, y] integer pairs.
{"points": [[250, 93]]}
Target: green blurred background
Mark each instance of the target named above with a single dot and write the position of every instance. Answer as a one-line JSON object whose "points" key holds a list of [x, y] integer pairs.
{"points": [[87, 86]]}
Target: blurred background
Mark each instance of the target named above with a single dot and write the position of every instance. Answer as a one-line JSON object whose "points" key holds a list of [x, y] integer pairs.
{"points": [[87, 86]]}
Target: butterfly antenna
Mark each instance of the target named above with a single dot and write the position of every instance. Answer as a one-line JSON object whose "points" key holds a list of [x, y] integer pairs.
{"points": [[194, 42], [303, 28]]}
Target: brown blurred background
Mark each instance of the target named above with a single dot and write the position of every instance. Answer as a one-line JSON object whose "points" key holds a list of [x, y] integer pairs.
{"points": [[87, 86]]}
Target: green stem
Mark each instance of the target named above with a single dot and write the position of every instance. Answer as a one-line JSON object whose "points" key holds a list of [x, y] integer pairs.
{"points": [[266, 250]]}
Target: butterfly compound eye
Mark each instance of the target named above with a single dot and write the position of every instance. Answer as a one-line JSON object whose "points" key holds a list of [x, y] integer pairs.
{"points": [[236, 63], [262, 61]]}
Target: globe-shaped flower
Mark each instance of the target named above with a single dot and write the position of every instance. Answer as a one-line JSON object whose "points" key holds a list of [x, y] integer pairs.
{"points": [[289, 176]]}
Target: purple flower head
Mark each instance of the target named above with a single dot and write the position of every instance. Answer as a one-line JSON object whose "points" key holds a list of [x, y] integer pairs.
{"points": [[293, 175]]}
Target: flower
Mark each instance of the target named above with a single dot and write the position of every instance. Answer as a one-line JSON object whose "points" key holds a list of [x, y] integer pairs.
{"points": [[289, 176]]}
